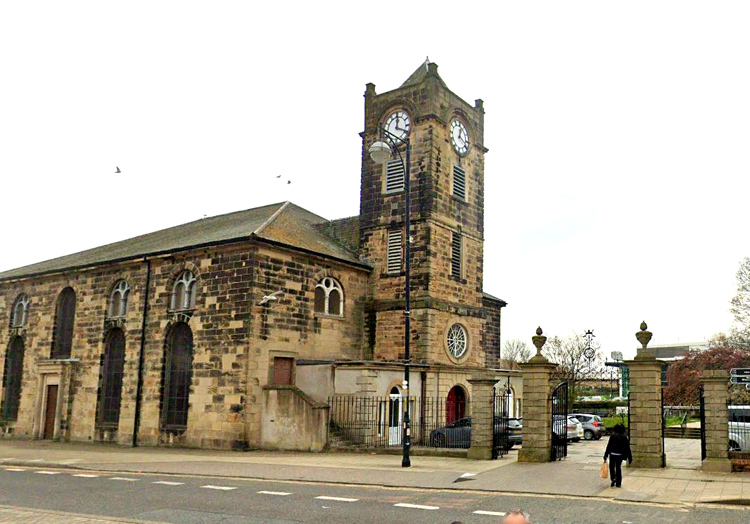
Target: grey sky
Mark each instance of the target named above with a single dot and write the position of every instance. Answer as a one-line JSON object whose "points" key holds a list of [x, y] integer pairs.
{"points": [[616, 182]]}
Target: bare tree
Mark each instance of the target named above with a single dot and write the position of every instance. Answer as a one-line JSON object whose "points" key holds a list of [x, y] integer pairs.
{"points": [[740, 336], [515, 352], [573, 366]]}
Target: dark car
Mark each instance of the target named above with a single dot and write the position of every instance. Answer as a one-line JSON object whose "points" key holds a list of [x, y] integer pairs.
{"points": [[458, 434], [593, 427]]}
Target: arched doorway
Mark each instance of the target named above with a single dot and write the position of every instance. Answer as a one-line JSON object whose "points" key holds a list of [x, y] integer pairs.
{"points": [[455, 405]]}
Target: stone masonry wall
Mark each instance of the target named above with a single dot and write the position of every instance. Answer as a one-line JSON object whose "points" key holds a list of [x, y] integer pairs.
{"points": [[233, 338]]}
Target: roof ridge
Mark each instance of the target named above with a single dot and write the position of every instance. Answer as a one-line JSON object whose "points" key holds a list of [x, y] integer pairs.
{"points": [[270, 219]]}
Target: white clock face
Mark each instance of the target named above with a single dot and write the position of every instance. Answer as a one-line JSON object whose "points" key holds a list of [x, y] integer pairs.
{"points": [[459, 136], [398, 124]]}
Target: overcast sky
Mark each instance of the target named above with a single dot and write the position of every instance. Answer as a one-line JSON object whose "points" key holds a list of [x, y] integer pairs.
{"points": [[616, 181]]}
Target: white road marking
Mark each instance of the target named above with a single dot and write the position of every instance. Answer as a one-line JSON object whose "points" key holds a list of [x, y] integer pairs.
{"points": [[35, 460], [279, 493], [6, 458], [340, 499], [14, 469], [86, 476], [465, 475], [126, 479], [47, 472], [415, 506], [70, 461], [167, 483], [491, 513], [220, 488]]}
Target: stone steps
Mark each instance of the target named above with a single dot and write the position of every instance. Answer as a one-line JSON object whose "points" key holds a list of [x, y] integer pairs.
{"points": [[680, 432]]}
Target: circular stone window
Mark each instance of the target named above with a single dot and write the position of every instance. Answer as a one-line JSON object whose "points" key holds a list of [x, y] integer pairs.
{"points": [[457, 341]]}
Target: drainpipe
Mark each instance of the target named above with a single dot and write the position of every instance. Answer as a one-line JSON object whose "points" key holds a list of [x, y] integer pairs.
{"points": [[141, 357]]}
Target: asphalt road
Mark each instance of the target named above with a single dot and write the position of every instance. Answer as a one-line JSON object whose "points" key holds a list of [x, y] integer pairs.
{"points": [[186, 499]]}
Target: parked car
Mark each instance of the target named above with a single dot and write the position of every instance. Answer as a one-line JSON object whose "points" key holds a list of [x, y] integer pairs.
{"points": [[458, 434], [739, 428], [573, 428], [593, 427]]}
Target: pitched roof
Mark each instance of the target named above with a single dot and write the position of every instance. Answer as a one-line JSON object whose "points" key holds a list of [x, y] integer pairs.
{"points": [[282, 223], [487, 296], [418, 76]]}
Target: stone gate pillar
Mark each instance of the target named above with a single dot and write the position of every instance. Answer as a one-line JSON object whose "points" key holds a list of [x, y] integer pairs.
{"points": [[715, 396], [537, 405], [482, 416], [645, 417]]}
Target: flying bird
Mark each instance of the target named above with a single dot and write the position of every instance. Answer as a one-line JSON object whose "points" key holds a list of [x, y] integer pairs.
{"points": [[270, 298], [118, 170], [278, 176], [288, 181]]}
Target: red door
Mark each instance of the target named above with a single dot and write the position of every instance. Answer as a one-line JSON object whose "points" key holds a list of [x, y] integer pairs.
{"points": [[455, 406], [49, 412]]}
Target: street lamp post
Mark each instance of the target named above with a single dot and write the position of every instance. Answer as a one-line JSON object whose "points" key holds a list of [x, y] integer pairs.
{"points": [[381, 152]]}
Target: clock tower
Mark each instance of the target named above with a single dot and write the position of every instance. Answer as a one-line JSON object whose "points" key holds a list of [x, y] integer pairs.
{"points": [[447, 223]]}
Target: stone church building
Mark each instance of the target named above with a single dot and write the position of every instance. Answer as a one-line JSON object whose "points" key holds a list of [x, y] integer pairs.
{"points": [[193, 334]]}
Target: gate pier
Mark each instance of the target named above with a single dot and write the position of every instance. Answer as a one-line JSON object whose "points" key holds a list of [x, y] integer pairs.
{"points": [[537, 405], [645, 418], [715, 431]]}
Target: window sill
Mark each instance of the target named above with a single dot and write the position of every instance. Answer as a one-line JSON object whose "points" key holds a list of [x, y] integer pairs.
{"points": [[459, 200], [326, 315]]}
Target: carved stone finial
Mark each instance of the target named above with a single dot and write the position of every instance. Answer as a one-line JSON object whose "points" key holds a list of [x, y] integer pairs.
{"points": [[539, 340], [644, 337]]}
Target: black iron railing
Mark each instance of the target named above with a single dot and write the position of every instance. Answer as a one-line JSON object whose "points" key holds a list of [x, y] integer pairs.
{"points": [[377, 422]]}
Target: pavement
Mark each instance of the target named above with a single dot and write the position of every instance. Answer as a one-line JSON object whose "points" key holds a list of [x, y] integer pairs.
{"points": [[578, 475]]}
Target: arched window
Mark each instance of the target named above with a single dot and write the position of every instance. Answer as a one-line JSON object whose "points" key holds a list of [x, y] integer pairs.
{"points": [[183, 292], [20, 311], [329, 297], [110, 388], [118, 300], [64, 319], [12, 379], [178, 371]]}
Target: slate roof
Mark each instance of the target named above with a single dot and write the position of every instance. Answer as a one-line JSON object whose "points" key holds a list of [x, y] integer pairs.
{"points": [[487, 296], [283, 223]]}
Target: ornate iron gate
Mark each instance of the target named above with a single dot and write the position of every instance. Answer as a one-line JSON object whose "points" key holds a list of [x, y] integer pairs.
{"points": [[703, 425], [559, 422], [500, 429]]}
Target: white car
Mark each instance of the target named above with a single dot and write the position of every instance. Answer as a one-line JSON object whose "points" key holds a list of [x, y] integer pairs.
{"points": [[739, 428], [575, 429]]}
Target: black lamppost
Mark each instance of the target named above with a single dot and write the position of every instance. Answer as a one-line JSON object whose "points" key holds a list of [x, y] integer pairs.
{"points": [[381, 152]]}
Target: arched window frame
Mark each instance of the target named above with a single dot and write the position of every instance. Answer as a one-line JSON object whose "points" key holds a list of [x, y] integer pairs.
{"points": [[118, 300], [186, 299], [12, 380], [20, 311], [328, 285], [177, 379], [62, 342], [110, 388]]}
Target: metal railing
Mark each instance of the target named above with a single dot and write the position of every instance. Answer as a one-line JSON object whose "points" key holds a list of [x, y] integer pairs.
{"points": [[739, 427], [377, 422]]}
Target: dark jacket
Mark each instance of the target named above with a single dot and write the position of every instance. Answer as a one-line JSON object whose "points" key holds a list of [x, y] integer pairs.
{"points": [[619, 444]]}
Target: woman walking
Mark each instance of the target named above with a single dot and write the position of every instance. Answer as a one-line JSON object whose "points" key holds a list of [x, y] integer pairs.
{"points": [[618, 449]]}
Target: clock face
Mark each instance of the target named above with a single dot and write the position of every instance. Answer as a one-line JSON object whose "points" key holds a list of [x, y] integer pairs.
{"points": [[459, 136], [398, 124]]}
